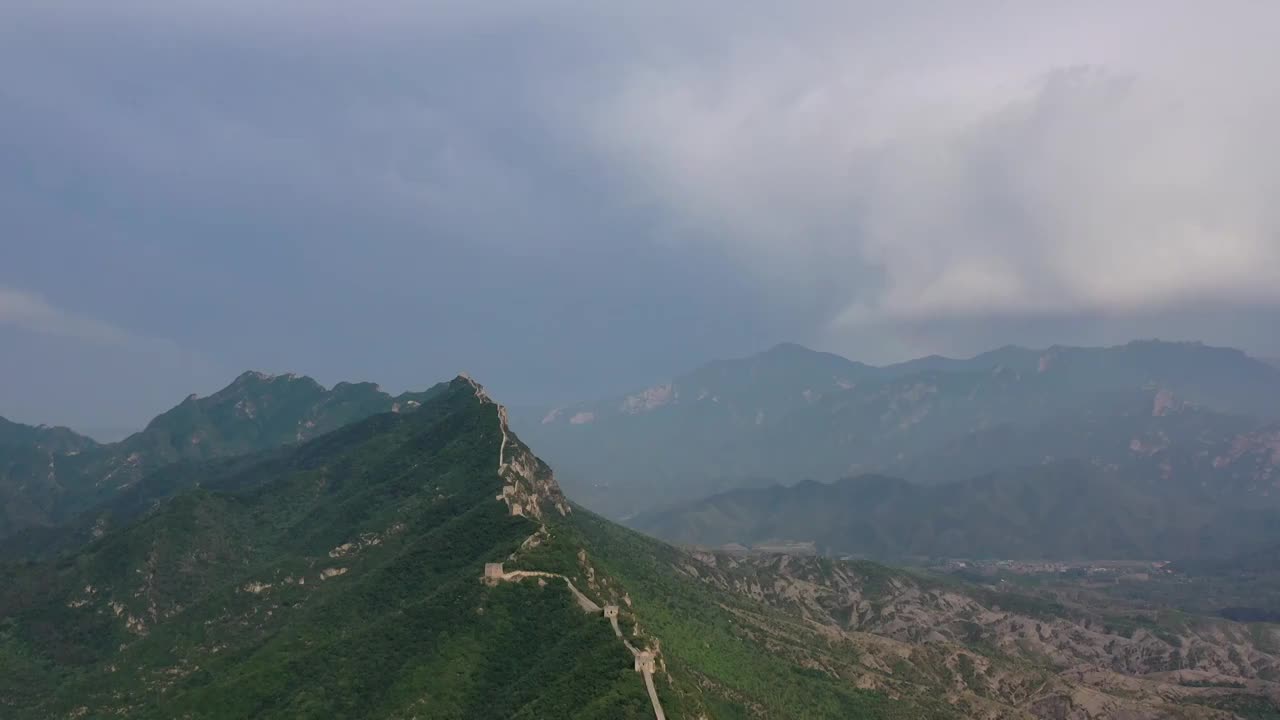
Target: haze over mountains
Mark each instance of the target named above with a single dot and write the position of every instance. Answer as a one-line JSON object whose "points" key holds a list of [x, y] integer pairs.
{"points": [[790, 414], [1148, 450]]}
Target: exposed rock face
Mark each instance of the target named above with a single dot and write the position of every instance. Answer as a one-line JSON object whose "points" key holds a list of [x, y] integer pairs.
{"points": [[529, 487], [648, 399], [1163, 404], [1265, 444], [1095, 670]]}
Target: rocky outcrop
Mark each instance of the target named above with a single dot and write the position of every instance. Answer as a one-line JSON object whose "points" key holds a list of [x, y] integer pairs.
{"points": [[529, 486], [1028, 656]]}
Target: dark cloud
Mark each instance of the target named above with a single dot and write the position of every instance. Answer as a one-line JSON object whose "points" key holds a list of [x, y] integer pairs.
{"points": [[567, 198]]}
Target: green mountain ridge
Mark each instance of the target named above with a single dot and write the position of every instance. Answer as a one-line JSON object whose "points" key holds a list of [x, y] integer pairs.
{"points": [[43, 437], [342, 578], [330, 582], [45, 482]]}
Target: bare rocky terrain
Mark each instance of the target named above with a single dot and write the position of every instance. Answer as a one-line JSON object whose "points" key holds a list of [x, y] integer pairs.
{"points": [[1003, 654]]}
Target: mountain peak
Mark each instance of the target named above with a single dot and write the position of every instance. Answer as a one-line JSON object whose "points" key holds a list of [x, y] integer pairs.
{"points": [[257, 377], [251, 377], [789, 348], [465, 379], [529, 487]]}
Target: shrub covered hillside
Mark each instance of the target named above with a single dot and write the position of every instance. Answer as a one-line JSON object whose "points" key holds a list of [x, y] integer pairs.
{"points": [[342, 578], [343, 581], [49, 475]]}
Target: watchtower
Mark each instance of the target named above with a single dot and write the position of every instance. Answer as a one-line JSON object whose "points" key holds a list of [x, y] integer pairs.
{"points": [[492, 573], [611, 612], [645, 662]]}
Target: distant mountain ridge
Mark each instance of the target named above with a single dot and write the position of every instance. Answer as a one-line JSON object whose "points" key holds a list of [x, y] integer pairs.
{"points": [[49, 474], [791, 413], [1065, 510], [43, 437]]}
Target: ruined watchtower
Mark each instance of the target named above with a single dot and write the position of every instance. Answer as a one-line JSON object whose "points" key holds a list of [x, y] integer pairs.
{"points": [[493, 573], [645, 662], [611, 612]]}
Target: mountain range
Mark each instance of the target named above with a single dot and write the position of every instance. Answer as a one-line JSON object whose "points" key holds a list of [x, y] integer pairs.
{"points": [[1179, 438], [790, 414], [1058, 511], [48, 475], [1150, 450], [424, 562]]}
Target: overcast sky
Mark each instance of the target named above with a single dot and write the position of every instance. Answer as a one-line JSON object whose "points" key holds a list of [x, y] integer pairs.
{"points": [[571, 198]]}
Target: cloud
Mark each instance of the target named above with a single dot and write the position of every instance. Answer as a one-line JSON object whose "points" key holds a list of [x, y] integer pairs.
{"points": [[31, 312], [647, 184], [974, 164], [66, 367]]}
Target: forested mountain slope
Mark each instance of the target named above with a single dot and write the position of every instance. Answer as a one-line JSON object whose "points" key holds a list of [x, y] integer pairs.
{"points": [[47, 475]]}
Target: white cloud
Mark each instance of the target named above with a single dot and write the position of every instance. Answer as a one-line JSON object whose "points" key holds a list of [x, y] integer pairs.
{"points": [[964, 164], [877, 170], [31, 312]]}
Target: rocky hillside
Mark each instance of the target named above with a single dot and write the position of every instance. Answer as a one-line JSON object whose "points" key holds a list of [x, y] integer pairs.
{"points": [[47, 475], [1000, 654], [790, 414]]}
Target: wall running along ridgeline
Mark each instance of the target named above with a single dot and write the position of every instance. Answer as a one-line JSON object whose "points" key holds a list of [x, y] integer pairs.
{"points": [[528, 485]]}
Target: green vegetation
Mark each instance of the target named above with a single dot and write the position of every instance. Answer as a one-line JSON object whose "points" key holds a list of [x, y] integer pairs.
{"points": [[341, 580], [1246, 707], [48, 475], [742, 652]]}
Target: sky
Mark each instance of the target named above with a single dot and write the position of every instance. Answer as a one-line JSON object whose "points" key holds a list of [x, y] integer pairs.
{"points": [[569, 199]]}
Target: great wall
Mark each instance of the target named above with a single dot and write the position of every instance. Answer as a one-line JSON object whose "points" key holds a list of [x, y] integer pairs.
{"points": [[528, 485], [645, 661]]}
